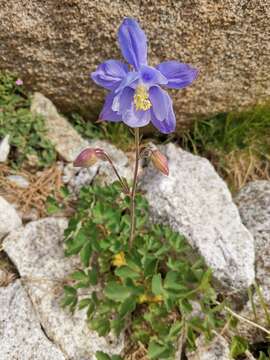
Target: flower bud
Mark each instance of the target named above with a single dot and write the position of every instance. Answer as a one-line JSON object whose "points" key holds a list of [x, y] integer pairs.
{"points": [[89, 157], [160, 162]]}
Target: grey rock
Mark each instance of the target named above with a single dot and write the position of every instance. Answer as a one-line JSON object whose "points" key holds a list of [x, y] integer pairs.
{"points": [[4, 149], [217, 349], [9, 219], [21, 336], [56, 45], [60, 132], [196, 202], [37, 252], [254, 206], [101, 172], [19, 180]]}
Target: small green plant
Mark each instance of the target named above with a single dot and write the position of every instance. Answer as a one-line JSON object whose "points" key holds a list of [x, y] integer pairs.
{"points": [[27, 132], [149, 289]]}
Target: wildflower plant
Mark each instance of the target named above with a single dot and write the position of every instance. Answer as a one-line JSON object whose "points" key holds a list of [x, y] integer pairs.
{"points": [[143, 279]]}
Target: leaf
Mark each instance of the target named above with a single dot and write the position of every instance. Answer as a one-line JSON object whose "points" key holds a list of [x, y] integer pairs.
{"points": [[84, 303], [157, 288], [101, 325], [100, 355], [117, 292], [79, 275], [238, 346], [155, 350], [125, 272], [127, 307], [85, 254], [93, 276]]}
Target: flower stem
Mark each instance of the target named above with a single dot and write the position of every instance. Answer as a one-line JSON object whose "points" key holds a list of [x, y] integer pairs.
{"points": [[134, 186], [122, 183]]}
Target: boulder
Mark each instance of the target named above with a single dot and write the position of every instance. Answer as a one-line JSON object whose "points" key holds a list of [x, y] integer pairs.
{"points": [[60, 132], [21, 335], [9, 219], [38, 253], [254, 206], [4, 149], [53, 46], [217, 349], [196, 202]]}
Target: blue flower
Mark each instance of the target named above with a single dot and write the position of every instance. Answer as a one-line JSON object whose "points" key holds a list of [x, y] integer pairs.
{"points": [[136, 96]]}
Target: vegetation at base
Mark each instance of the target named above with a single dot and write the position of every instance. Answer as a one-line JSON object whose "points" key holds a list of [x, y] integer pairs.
{"points": [[27, 132], [237, 144], [150, 289]]}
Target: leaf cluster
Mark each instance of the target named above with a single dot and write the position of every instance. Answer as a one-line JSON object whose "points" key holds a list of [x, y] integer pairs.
{"points": [[27, 132], [158, 290]]}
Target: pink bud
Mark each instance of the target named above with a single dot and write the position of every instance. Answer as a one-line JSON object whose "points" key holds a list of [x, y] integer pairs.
{"points": [[160, 162], [19, 82], [89, 157]]}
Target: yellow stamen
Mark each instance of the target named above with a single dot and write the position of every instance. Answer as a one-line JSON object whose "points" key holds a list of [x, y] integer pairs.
{"points": [[119, 259], [141, 98], [144, 298]]}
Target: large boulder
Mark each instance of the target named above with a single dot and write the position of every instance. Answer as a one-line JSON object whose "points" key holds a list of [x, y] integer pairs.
{"points": [[21, 335], [37, 252], [54, 45], [195, 201], [9, 219]]}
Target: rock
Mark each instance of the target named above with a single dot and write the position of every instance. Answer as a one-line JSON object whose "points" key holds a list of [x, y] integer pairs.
{"points": [[63, 136], [196, 202], [254, 206], [21, 336], [6, 277], [4, 149], [101, 172], [56, 47], [37, 251], [9, 219], [217, 349], [19, 180]]}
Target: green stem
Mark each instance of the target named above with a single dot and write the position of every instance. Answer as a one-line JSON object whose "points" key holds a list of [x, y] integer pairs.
{"points": [[134, 186]]}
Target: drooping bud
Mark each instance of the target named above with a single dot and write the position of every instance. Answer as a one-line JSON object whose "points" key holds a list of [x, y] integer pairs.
{"points": [[89, 157], [160, 161]]}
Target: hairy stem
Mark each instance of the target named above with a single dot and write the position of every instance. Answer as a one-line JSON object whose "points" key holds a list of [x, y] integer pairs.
{"points": [[134, 186]]}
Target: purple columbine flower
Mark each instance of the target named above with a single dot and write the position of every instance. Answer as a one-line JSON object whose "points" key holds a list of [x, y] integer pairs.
{"points": [[136, 96]]}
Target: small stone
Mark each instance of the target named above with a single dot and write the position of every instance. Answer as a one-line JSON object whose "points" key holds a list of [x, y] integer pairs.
{"points": [[9, 219], [4, 149], [21, 336], [60, 132], [196, 202], [38, 253], [217, 349], [19, 180]]}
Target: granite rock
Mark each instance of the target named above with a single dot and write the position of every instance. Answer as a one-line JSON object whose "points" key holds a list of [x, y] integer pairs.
{"points": [[9, 219], [54, 45], [196, 202]]}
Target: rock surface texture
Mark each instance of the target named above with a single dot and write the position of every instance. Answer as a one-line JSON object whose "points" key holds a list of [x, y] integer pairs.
{"points": [[195, 201], [54, 45], [218, 349], [254, 206], [21, 336], [60, 132], [37, 252], [9, 219]]}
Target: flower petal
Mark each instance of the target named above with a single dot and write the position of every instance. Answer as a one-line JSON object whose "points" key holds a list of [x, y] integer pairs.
{"points": [[107, 113], [160, 101], [110, 74], [151, 76], [179, 75], [133, 43], [134, 118], [166, 126]]}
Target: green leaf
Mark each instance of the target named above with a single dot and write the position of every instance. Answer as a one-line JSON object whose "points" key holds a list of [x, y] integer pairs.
{"points": [[79, 275], [125, 272], [238, 346], [155, 350], [101, 325], [85, 253], [117, 292], [100, 355], [127, 307], [93, 276], [157, 288], [84, 303]]}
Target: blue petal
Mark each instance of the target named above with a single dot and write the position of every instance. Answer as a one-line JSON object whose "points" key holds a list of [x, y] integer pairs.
{"points": [[110, 74], [166, 126], [134, 118], [107, 113], [160, 101], [133, 43], [150, 76], [179, 75]]}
